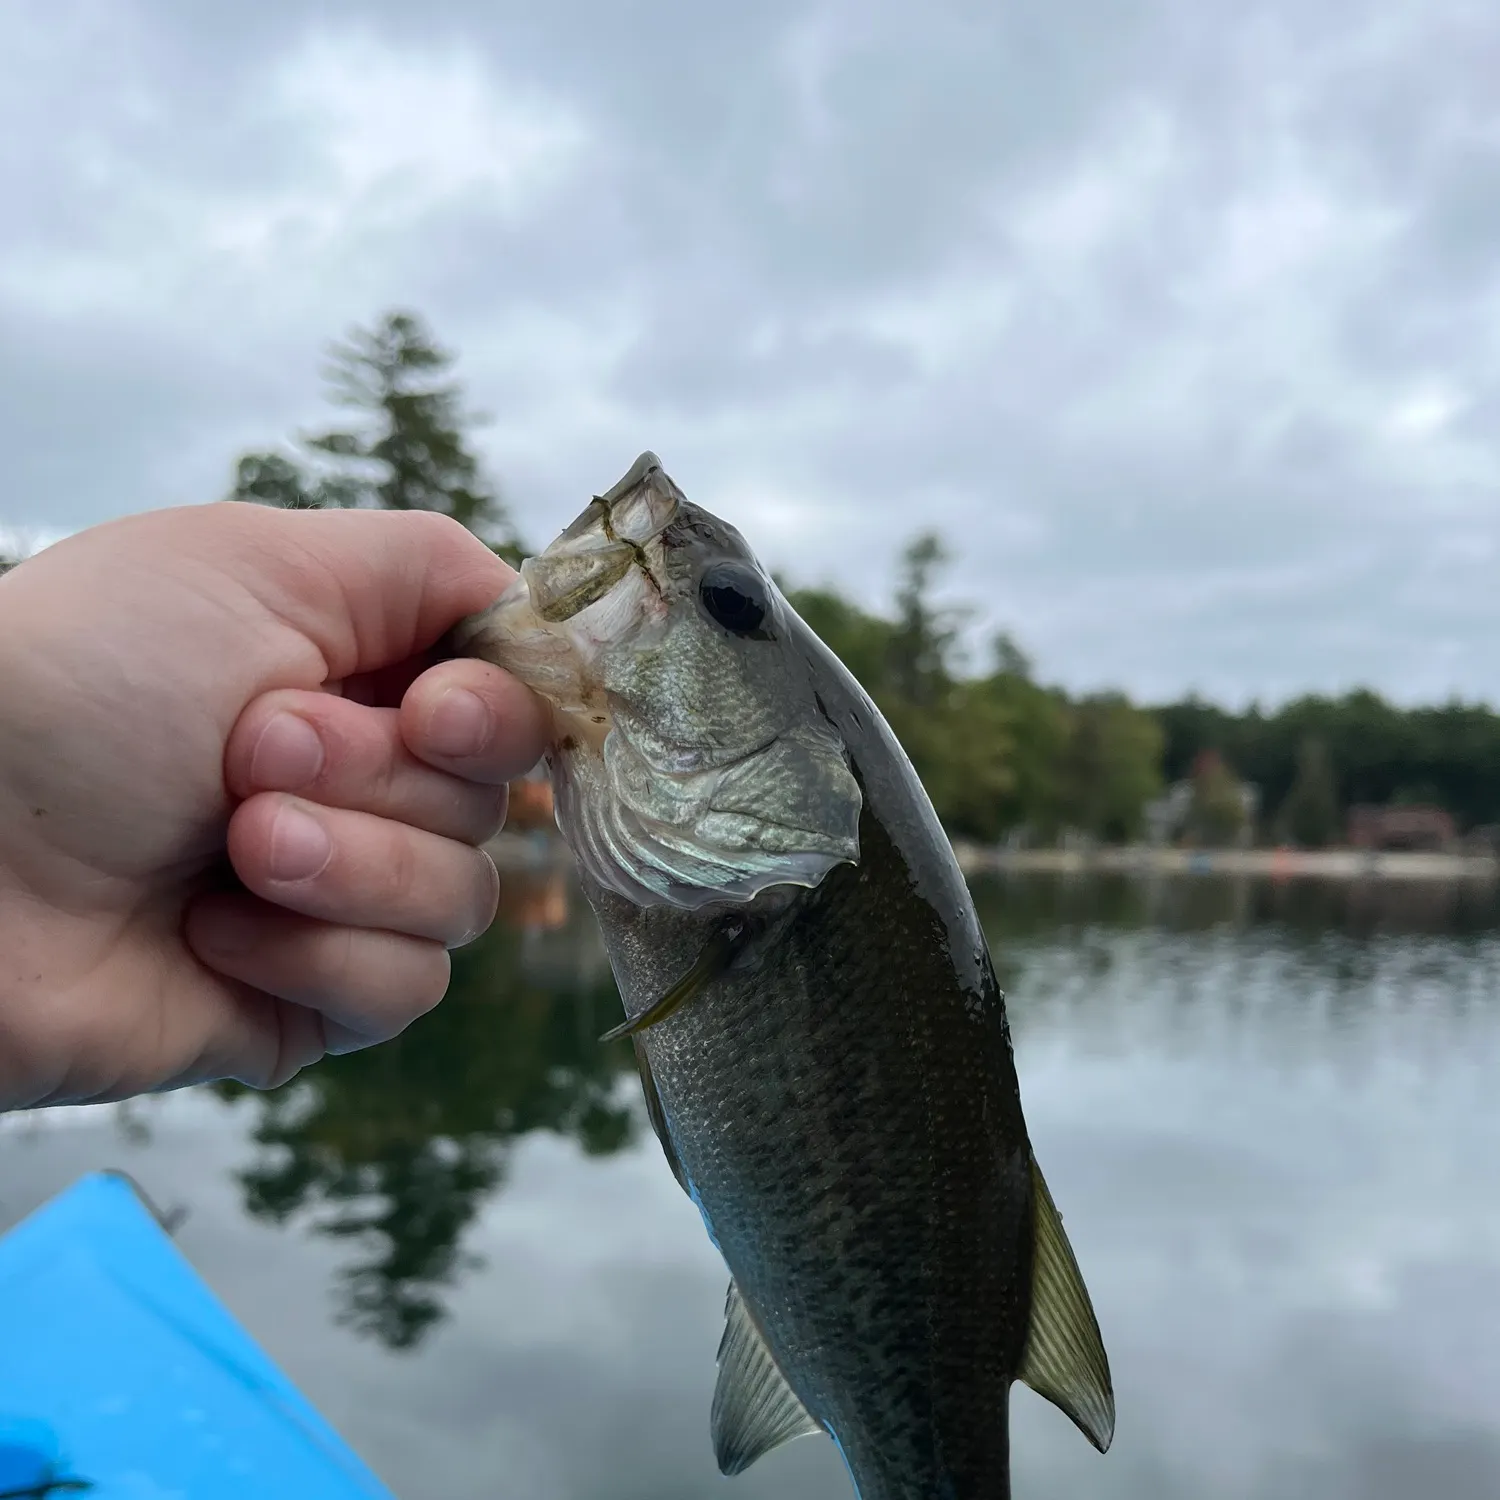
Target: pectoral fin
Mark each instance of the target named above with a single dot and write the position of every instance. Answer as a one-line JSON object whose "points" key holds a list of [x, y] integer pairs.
{"points": [[1065, 1359], [754, 1408], [716, 956]]}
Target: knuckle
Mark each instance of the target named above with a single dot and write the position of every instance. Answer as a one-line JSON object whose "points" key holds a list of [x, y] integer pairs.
{"points": [[351, 746], [401, 874], [388, 773], [331, 961]]}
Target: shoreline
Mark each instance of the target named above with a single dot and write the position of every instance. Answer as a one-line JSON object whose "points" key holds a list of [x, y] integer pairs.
{"points": [[541, 852], [1276, 864]]}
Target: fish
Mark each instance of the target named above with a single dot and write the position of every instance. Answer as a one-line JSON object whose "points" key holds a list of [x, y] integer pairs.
{"points": [[821, 1038]]}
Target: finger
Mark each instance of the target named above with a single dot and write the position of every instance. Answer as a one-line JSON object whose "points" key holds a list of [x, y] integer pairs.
{"points": [[256, 1039], [342, 754], [366, 986], [386, 686], [473, 719], [206, 1025], [369, 588], [358, 870]]}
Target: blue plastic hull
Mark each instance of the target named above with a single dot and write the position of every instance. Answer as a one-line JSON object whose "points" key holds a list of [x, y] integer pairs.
{"points": [[119, 1367]]}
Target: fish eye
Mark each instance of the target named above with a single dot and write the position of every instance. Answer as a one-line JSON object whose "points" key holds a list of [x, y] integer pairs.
{"points": [[734, 596]]}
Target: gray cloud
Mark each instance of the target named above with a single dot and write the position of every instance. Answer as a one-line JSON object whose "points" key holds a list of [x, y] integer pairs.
{"points": [[1178, 324]]}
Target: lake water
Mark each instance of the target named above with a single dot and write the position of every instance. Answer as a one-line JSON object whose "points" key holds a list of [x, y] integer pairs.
{"points": [[1270, 1114]]}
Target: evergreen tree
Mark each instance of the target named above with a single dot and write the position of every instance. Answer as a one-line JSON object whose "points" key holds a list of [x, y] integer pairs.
{"points": [[1111, 766], [1010, 659], [408, 448], [924, 635], [1217, 815], [1310, 814], [1041, 734], [270, 479]]}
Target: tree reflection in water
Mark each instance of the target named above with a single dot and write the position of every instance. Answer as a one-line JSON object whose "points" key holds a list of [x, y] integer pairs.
{"points": [[397, 1148]]}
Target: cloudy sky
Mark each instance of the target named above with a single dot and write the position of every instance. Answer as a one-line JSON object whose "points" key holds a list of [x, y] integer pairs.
{"points": [[1179, 319]]}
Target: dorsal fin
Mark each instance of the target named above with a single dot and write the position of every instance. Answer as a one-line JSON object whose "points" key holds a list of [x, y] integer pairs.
{"points": [[754, 1408], [1065, 1359]]}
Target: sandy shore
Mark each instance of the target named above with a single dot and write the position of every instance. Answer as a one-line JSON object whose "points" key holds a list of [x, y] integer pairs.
{"points": [[1328, 864], [543, 853]]}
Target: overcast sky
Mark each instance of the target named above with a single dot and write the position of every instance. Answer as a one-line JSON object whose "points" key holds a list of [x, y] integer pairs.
{"points": [[1180, 320]]}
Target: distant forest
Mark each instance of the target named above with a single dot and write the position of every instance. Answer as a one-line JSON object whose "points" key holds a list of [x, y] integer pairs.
{"points": [[1002, 754]]}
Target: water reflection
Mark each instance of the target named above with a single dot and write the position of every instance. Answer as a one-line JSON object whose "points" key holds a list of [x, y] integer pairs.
{"points": [[1268, 1112], [1298, 975], [1021, 906], [395, 1149]]}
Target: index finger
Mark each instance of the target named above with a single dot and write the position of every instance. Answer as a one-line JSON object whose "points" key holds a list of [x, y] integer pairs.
{"points": [[474, 720]]}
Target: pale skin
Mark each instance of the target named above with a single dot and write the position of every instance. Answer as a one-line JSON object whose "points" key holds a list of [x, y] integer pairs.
{"points": [[240, 814]]}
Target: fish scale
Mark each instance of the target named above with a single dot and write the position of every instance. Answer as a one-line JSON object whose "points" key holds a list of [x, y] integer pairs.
{"points": [[852, 1131]]}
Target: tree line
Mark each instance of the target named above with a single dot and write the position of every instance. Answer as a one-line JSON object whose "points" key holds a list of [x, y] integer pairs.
{"points": [[1002, 754], [1314, 758]]}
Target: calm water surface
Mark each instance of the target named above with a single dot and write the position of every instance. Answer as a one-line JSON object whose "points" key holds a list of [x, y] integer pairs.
{"points": [[1270, 1115]]}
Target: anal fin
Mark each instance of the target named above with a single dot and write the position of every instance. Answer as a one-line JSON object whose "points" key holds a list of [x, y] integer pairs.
{"points": [[754, 1408], [1065, 1359]]}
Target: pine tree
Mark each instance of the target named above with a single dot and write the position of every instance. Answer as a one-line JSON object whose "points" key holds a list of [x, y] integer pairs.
{"points": [[924, 636], [1010, 659], [270, 479], [1310, 814], [407, 450]]}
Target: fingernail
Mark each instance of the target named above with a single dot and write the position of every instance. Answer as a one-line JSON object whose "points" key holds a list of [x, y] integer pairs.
{"points": [[300, 846], [489, 902], [287, 755], [460, 724]]}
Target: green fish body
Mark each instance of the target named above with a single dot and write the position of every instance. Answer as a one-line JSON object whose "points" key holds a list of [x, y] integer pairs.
{"points": [[821, 1038]]}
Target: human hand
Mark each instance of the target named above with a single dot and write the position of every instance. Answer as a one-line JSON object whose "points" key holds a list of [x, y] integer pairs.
{"points": [[238, 820]]}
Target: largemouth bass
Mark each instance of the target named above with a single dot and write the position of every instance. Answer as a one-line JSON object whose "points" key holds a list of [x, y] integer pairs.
{"points": [[820, 1035]]}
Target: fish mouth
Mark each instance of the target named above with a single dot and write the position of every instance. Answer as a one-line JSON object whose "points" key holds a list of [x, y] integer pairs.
{"points": [[602, 545], [596, 586], [617, 532]]}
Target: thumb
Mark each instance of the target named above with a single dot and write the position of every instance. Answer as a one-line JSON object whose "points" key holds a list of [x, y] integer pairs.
{"points": [[368, 588]]}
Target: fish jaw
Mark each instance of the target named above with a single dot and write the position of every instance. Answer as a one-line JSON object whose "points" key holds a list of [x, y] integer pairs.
{"points": [[595, 588]]}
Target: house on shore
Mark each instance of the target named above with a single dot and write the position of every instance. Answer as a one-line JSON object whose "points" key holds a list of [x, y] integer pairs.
{"points": [[1423, 829]]}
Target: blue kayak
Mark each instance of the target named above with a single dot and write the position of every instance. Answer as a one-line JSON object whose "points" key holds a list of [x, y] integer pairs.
{"points": [[123, 1377]]}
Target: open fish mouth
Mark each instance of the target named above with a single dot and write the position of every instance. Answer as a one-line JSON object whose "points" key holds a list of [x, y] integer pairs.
{"points": [[600, 548], [597, 586], [618, 532]]}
